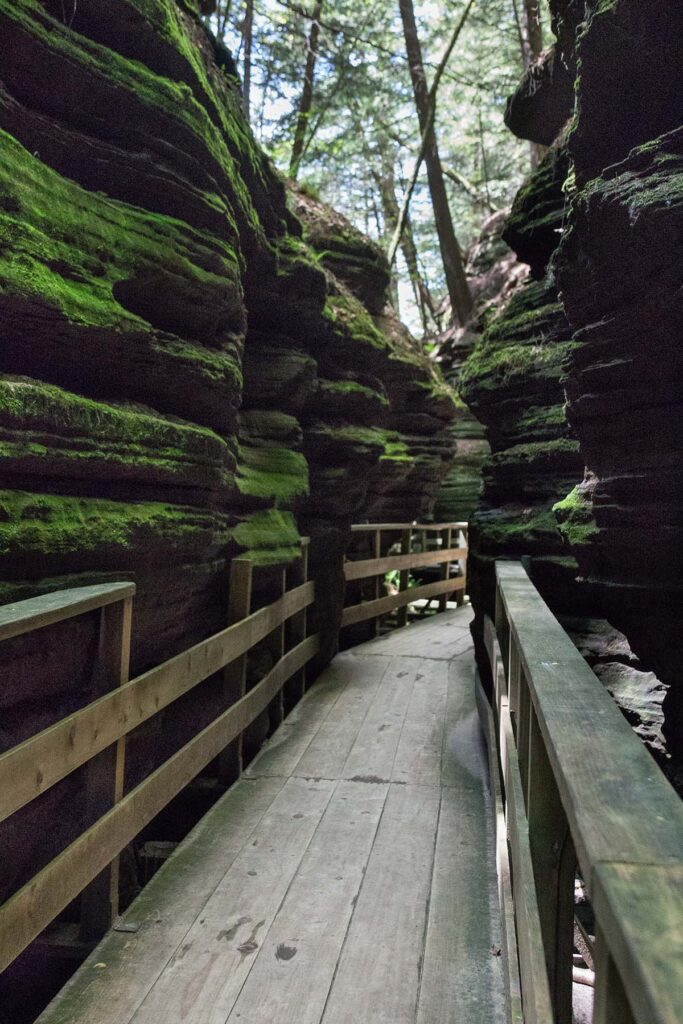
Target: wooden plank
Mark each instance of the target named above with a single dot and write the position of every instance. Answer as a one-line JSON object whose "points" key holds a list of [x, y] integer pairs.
{"points": [[368, 609], [294, 968], [36, 764], [297, 574], [376, 566], [554, 862], [372, 756], [443, 636], [29, 910], [419, 752], [463, 975], [404, 578], [105, 772], [618, 803], [640, 911], [463, 756], [535, 989], [513, 987], [446, 540], [326, 755], [378, 974], [364, 527], [162, 914], [37, 612], [611, 1005], [234, 675], [203, 980], [281, 753]]}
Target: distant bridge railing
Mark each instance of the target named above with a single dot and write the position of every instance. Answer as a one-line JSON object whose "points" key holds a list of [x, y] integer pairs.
{"points": [[578, 788], [439, 545], [95, 735]]}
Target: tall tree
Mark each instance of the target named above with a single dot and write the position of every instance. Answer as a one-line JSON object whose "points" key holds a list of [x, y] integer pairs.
{"points": [[306, 100], [247, 36], [451, 253]]}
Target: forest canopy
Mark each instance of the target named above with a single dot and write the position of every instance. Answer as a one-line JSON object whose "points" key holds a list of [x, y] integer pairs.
{"points": [[330, 95]]}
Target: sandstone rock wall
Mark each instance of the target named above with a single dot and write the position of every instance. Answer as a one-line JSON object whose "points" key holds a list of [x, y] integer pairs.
{"points": [[182, 376], [578, 378]]}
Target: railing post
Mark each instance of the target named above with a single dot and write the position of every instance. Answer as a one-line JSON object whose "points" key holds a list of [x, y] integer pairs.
{"points": [[297, 574], [105, 772], [377, 553], [554, 864], [402, 613], [276, 643], [462, 542], [235, 674], [446, 566], [611, 1004]]}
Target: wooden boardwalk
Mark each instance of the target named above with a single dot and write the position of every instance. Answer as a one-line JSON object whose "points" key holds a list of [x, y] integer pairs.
{"points": [[347, 878]]}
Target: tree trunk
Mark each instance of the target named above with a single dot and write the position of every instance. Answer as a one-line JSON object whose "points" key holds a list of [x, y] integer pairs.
{"points": [[534, 30], [307, 93], [247, 34], [451, 255]]}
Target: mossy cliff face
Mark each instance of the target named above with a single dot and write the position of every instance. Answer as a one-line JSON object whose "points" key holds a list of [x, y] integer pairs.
{"points": [[619, 272], [183, 377], [577, 378]]}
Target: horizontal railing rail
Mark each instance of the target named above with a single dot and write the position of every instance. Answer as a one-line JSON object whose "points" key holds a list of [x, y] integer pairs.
{"points": [[415, 540], [578, 789], [95, 735]]}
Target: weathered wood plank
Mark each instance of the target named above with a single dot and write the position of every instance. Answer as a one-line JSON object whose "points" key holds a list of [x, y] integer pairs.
{"points": [[378, 975], [281, 753], [29, 910], [368, 609], [513, 988], [535, 988], [326, 755], [372, 756], [364, 527], [203, 980], [162, 914], [462, 978], [617, 801], [419, 751], [36, 764], [294, 968], [640, 910], [376, 566], [36, 612], [464, 754]]}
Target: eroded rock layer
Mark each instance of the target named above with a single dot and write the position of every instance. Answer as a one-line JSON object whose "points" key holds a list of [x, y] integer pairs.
{"points": [[620, 274], [182, 376], [578, 378]]}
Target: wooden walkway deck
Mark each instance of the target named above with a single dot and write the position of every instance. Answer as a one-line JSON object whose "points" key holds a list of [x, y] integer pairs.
{"points": [[347, 878]]}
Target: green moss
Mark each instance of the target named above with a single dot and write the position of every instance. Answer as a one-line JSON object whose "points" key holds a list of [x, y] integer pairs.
{"points": [[55, 526], [174, 99], [523, 454], [351, 387], [269, 537], [276, 473], [575, 520], [33, 406], [350, 318], [70, 248]]}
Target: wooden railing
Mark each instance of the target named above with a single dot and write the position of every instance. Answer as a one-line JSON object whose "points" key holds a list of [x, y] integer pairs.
{"points": [[423, 545], [95, 735], [578, 789]]}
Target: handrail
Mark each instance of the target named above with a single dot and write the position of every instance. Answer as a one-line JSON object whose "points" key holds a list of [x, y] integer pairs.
{"points": [[95, 735], [580, 787], [372, 605]]}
